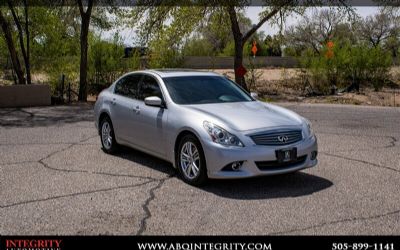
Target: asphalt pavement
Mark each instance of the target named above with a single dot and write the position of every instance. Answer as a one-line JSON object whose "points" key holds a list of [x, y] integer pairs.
{"points": [[55, 179]]}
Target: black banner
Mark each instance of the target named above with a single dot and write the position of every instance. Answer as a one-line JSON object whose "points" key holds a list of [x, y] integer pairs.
{"points": [[200, 242]]}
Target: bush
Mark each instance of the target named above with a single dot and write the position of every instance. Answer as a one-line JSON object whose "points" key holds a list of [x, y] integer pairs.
{"points": [[107, 62], [165, 52], [349, 65], [198, 47]]}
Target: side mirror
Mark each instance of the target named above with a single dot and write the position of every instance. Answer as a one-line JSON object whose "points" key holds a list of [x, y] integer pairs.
{"points": [[154, 101], [254, 95]]}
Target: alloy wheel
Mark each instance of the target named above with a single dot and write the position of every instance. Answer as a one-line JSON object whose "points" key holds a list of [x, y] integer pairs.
{"points": [[106, 136], [190, 160]]}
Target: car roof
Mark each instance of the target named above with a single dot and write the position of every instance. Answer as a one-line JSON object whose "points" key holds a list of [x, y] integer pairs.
{"points": [[179, 72]]}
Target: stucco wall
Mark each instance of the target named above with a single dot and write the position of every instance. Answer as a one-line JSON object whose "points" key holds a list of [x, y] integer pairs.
{"points": [[24, 95], [226, 62]]}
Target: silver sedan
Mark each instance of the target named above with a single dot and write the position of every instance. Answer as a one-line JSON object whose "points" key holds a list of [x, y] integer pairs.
{"points": [[204, 124]]}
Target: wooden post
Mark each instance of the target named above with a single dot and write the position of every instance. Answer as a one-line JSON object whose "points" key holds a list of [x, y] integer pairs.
{"points": [[69, 92], [62, 87]]}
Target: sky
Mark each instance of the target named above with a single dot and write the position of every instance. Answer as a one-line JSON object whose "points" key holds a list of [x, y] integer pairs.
{"points": [[128, 34], [252, 13]]}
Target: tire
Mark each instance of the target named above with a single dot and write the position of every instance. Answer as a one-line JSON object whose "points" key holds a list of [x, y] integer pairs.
{"points": [[107, 136], [190, 161]]}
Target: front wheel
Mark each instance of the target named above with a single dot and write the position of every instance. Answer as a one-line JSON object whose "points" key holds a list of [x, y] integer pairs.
{"points": [[191, 161], [107, 136]]}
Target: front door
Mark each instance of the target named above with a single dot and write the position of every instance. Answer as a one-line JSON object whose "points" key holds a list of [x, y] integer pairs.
{"points": [[124, 103], [151, 120]]}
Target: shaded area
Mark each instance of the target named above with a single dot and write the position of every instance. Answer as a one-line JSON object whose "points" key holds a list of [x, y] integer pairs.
{"points": [[268, 187], [146, 160], [49, 116]]}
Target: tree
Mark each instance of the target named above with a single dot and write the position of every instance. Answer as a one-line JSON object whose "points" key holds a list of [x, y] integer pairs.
{"points": [[272, 46], [214, 37], [197, 46], [85, 22], [6, 27], [25, 49], [377, 29], [217, 29], [383, 29], [314, 31], [240, 38], [153, 17], [185, 19]]}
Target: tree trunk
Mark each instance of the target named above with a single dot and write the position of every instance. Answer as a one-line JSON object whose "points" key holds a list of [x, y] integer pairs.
{"points": [[20, 36], [238, 62], [238, 38], [11, 49], [84, 61], [85, 22], [27, 61]]}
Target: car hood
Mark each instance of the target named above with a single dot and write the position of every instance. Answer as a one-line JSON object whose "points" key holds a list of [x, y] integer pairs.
{"points": [[243, 116]]}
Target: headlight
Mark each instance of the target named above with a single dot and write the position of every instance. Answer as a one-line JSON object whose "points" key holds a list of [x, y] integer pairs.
{"points": [[308, 127], [221, 136]]}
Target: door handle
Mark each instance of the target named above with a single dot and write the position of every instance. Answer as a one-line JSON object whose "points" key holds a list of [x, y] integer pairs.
{"points": [[136, 109], [113, 101]]}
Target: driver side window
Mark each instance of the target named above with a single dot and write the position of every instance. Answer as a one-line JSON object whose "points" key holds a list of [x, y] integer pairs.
{"points": [[128, 86], [149, 87]]}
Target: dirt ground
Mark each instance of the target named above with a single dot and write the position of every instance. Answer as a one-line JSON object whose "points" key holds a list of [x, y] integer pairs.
{"points": [[277, 84]]}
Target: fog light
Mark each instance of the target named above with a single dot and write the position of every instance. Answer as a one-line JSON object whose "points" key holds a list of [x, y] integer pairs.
{"points": [[314, 155], [237, 165], [234, 166]]}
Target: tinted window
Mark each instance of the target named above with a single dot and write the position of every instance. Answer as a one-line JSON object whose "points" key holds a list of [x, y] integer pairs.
{"points": [[204, 89], [149, 87], [128, 86]]}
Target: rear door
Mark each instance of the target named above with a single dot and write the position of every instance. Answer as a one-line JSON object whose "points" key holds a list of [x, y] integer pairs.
{"points": [[123, 104]]}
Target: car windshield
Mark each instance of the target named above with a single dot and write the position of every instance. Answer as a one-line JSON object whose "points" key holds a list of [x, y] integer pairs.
{"points": [[204, 89]]}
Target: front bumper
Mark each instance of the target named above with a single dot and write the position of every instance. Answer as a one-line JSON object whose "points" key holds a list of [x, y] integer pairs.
{"points": [[218, 156]]}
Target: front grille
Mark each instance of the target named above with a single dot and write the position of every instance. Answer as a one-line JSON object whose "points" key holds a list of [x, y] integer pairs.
{"points": [[275, 165], [272, 138]]}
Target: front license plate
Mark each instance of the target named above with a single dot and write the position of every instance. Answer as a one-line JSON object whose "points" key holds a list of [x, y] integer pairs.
{"points": [[285, 155]]}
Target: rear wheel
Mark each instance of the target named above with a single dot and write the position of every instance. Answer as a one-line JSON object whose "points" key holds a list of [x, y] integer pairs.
{"points": [[107, 136], [191, 161]]}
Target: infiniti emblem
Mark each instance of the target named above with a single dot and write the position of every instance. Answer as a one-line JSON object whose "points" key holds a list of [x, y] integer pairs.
{"points": [[283, 138]]}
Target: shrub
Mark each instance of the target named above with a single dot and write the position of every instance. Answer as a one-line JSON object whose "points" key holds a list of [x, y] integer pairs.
{"points": [[107, 62], [349, 65]]}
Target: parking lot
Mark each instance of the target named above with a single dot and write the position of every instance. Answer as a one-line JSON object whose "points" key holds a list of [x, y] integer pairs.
{"points": [[55, 179]]}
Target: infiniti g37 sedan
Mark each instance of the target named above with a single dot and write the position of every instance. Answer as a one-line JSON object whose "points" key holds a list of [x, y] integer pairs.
{"points": [[204, 124]]}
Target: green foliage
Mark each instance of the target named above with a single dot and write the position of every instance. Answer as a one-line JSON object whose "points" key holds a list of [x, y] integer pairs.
{"points": [[271, 46], [176, 31], [217, 30], [229, 50], [198, 47], [350, 64], [163, 55], [107, 62], [54, 45], [253, 75], [165, 51], [3, 51]]}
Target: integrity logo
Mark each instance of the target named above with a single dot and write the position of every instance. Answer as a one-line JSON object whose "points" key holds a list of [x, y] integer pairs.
{"points": [[22, 244]]}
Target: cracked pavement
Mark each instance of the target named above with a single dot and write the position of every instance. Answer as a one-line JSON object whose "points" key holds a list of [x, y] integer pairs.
{"points": [[55, 179]]}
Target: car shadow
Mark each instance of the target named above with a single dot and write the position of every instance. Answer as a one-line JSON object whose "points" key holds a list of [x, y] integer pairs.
{"points": [[266, 187], [146, 160]]}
